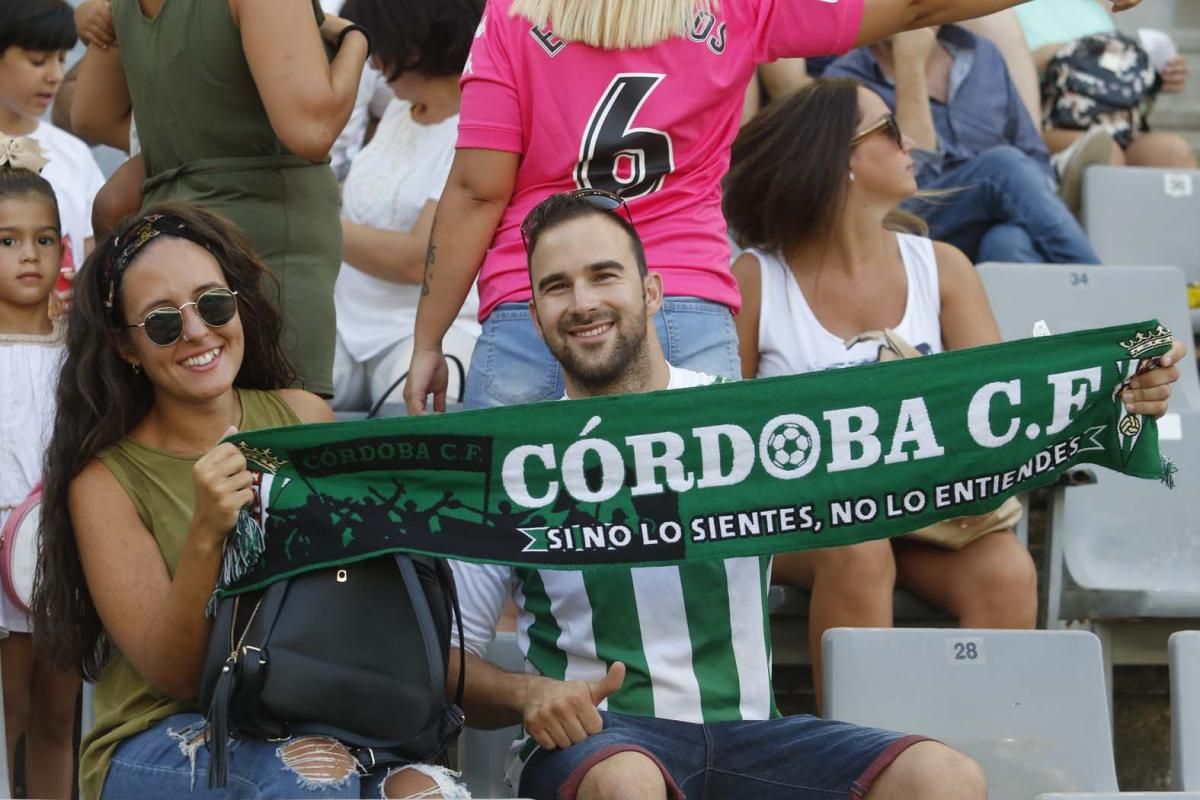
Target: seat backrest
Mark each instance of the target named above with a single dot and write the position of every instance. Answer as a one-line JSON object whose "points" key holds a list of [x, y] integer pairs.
{"points": [[1121, 534], [1184, 656], [1071, 298], [1139, 215], [483, 755], [1029, 706], [1129, 535]]}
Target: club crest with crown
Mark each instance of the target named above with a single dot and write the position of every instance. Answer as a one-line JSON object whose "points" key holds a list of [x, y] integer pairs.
{"points": [[1144, 341], [263, 458]]}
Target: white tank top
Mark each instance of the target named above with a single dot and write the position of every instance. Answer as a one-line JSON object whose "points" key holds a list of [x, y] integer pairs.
{"points": [[792, 341]]}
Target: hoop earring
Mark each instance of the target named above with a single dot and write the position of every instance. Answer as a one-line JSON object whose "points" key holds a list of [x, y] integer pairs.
{"points": [[137, 368]]}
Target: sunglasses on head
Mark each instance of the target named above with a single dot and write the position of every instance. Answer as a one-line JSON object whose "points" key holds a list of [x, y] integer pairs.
{"points": [[164, 326], [597, 198], [886, 123]]}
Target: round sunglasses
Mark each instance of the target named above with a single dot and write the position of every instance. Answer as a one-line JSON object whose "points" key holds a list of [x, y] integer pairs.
{"points": [[164, 326], [886, 123]]}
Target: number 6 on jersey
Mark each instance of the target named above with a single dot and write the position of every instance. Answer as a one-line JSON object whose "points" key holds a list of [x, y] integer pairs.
{"points": [[631, 162]]}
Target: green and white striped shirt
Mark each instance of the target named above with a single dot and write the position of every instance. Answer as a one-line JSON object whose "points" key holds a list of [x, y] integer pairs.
{"points": [[694, 638]]}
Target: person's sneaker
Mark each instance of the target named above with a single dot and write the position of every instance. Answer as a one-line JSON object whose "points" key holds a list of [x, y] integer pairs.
{"points": [[1094, 147]]}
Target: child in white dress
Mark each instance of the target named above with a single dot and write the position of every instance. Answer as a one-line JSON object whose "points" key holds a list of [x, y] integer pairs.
{"points": [[39, 700]]}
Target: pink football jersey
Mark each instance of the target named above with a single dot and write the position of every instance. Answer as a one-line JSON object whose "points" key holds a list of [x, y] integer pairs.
{"points": [[654, 125]]}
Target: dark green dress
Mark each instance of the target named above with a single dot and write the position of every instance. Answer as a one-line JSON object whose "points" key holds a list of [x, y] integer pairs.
{"points": [[206, 140]]}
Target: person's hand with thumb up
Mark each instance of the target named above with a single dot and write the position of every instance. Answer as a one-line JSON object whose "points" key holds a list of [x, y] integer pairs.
{"points": [[561, 713], [222, 485]]}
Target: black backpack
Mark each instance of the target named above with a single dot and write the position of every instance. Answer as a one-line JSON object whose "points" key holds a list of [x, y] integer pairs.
{"points": [[356, 652]]}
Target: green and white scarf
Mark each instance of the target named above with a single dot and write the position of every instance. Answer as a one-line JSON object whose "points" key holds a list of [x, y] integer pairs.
{"points": [[732, 469]]}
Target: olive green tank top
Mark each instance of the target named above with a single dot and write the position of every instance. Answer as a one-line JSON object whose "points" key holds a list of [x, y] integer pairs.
{"points": [[160, 485], [193, 93]]}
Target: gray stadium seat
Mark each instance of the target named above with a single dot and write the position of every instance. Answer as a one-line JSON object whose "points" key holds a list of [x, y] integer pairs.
{"points": [[1070, 298], [1029, 706], [1122, 548], [1184, 655], [483, 755], [1138, 215]]}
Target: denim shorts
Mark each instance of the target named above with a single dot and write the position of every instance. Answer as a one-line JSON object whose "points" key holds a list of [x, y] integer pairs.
{"points": [[799, 758], [512, 365], [169, 759]]}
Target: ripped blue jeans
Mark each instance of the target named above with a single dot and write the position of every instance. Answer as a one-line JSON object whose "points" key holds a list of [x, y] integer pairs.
{"points": [[169, 759]]}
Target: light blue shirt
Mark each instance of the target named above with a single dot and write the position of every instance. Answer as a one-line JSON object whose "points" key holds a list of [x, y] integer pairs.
{"points": [[982, 111], [1059, 21]]}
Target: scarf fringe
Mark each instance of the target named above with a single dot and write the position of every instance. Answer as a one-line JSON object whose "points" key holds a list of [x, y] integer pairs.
{"points": [[243, 549], [1169, 470]]}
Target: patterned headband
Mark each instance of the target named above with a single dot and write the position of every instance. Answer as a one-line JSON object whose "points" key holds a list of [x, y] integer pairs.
{"points": [[125, 248]]}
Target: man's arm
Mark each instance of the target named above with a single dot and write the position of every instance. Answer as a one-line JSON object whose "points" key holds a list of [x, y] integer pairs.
{"points": [[883, 18], [555, 713]]}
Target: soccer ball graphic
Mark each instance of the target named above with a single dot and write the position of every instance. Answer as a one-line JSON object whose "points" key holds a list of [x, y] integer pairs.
{"points": [[789, 446]]}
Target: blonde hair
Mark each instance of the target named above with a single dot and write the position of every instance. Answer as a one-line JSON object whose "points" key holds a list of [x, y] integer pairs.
{"points": [[899, 220], [614, 24]]}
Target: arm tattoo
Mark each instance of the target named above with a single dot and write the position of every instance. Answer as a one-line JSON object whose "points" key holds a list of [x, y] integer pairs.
{"points": [[430, 258]]}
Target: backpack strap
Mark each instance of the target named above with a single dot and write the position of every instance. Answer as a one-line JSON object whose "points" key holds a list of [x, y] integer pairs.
{"points": [[452, 718], [447, 578], [429, 634]]}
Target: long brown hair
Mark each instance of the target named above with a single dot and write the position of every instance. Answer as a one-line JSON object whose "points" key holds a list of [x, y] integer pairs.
{"points": [[789, 171], [100, 399]]}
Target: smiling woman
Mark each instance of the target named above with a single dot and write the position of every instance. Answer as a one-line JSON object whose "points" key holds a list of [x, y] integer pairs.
{"points": [[173, 345]]}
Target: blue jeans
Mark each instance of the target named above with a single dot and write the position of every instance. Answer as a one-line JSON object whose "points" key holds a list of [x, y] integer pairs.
{"points": [[798, 758], [512, 365], [169, 759], [1007, 211]]}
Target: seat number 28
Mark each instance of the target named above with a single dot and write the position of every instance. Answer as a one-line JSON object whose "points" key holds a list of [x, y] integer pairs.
{"points": [[965, 651]]}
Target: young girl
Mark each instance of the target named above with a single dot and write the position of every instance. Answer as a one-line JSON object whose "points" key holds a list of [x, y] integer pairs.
{"points": [[35, 36], [173, 344], [39, 700]]}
